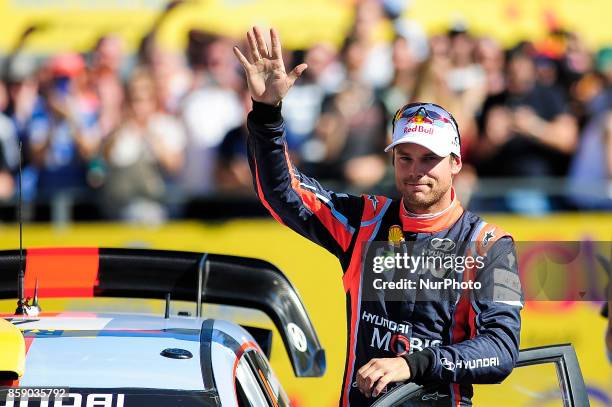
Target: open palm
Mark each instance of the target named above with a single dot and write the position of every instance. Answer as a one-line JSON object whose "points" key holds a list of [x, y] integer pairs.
{"points": [[265, 71]]}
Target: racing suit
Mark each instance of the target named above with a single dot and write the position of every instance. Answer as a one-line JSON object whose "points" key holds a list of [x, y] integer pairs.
{"points": [[453, 343]]}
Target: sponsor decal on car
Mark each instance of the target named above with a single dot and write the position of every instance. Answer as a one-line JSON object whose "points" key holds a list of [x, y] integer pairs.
{"points": [[297, 336], [29, 398]]}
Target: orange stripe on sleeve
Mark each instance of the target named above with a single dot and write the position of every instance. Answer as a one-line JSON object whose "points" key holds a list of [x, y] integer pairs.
{"points": [[337, 229], [262, 197]]}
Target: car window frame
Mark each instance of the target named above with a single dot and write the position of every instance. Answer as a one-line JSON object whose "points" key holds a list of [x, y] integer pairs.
{"points": [[263, 373], [245, 365]]}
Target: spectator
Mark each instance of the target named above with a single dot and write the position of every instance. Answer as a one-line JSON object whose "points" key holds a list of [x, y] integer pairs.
{"points": [[590, 178], [526, 129], [432, 81], [106, 63], [169, 71], [197, 48], [547, 71], [434, 85], [8, 149], [303, 108], [172, 79], [591, 169], [220, 65], [9, 138], [526, 132], [352, 128], [465, 73], [233, 175], [326, 69], [602, 100], [149, 46], [405, 69], [22, 99], [518, 118], [577, 60], [22, 94], [490, 57], [64, 132], [376, 69], [146, 150], [466, 79], [209, 112]]}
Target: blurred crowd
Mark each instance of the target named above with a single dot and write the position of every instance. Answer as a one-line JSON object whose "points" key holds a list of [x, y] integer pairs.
{"points": [[141, 133]]}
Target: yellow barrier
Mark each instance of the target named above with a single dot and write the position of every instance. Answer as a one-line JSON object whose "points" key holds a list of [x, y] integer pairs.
{"points": [[316, 274], [75, 25]]}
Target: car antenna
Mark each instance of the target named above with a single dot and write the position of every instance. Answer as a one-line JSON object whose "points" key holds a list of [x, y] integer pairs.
{"points": [[22, 302], [167, 313], [34, 309], [23, 308]]}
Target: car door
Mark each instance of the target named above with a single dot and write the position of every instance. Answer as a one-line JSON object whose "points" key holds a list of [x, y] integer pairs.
{"points": [[570, 389]]}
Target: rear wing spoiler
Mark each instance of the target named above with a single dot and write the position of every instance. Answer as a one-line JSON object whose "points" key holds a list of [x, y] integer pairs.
{"points": [[187, 276]]}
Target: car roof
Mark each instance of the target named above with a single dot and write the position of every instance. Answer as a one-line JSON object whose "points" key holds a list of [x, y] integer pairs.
{"points": [[98, 350]]}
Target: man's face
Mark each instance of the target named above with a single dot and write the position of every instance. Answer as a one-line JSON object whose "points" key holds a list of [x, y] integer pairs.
{"points": [[421, 176]]}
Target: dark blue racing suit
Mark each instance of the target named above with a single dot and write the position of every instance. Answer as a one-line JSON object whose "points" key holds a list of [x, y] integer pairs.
{"points": [[454, 343]]}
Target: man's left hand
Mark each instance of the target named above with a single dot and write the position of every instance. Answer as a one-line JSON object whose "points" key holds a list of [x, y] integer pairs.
{"points": [[375, 375]]}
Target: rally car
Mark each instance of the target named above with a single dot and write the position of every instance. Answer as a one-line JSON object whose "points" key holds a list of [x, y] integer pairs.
{"points": [[180, 357]]}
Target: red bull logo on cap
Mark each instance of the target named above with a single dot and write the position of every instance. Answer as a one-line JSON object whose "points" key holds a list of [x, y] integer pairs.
{"points": [[420, 117], [419, 123], [419, 128]]}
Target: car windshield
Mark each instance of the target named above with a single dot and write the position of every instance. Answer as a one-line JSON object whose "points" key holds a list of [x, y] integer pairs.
{"points": [[111, 353], [122, 397]]}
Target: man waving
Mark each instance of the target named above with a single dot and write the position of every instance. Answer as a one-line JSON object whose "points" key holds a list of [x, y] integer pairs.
{"points": [[454, 340]]}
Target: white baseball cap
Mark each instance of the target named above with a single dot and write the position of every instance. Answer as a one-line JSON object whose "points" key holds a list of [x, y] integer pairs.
{"points": [[428, 125]]}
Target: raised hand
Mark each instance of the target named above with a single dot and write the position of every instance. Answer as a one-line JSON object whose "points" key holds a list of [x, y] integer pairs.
{"points": [[265, 71]]}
